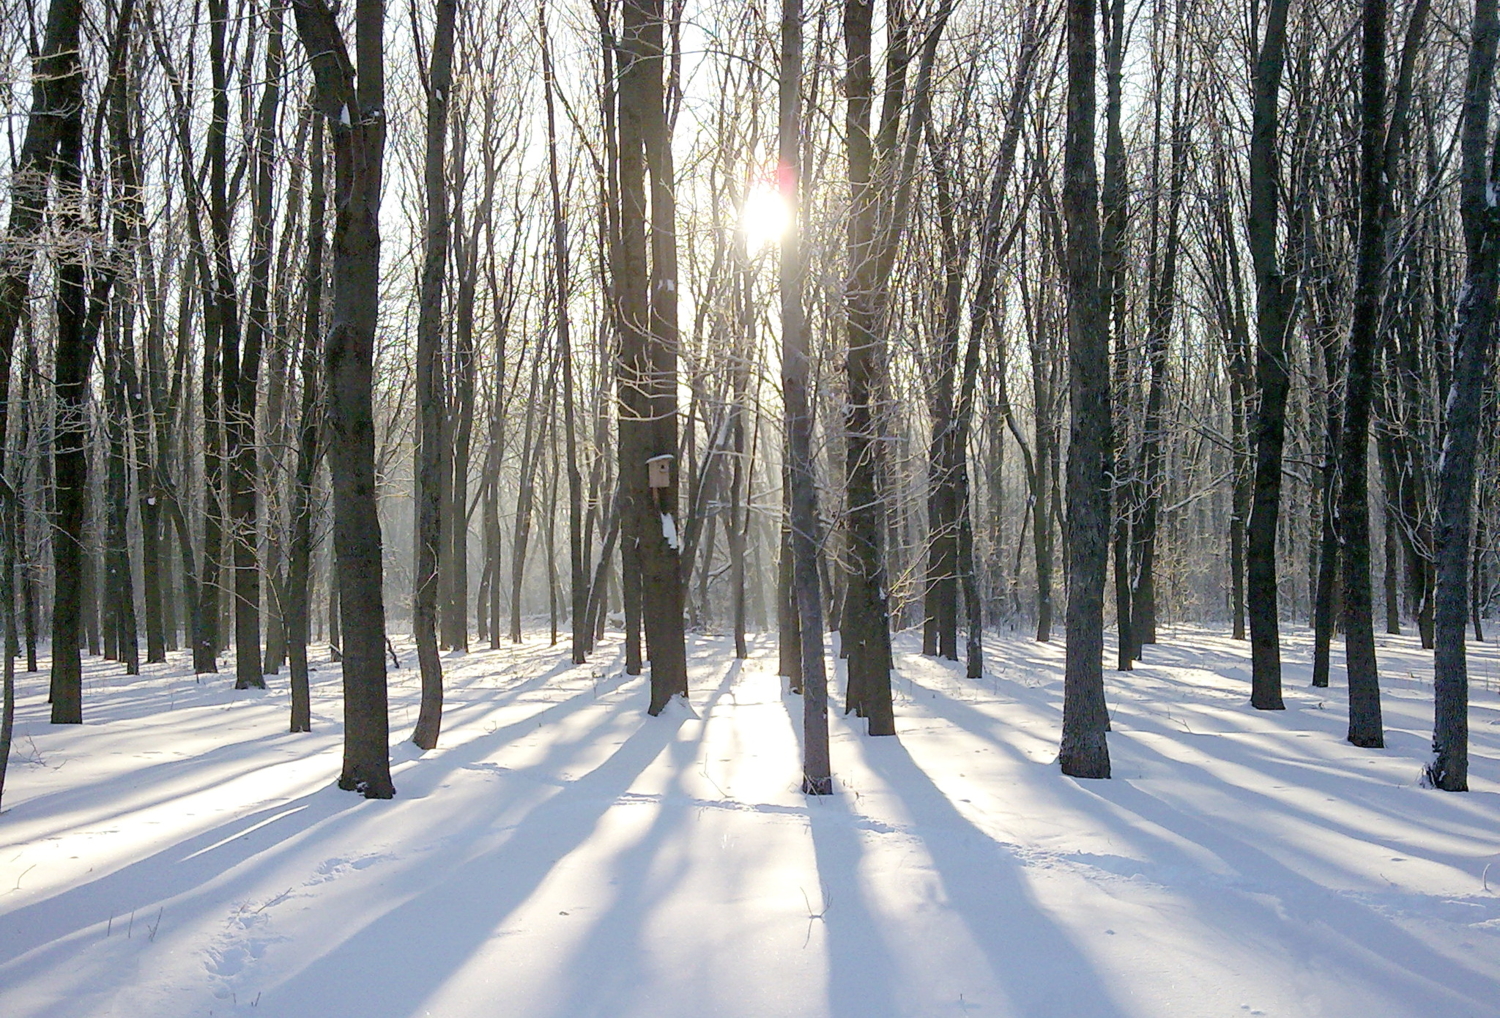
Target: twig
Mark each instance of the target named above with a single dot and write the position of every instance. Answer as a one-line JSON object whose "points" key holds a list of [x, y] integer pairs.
{"points": [[811, 915], [274, 901]]}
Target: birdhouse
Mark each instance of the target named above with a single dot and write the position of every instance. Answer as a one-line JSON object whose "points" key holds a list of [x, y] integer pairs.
{"points": [[659, 471]]}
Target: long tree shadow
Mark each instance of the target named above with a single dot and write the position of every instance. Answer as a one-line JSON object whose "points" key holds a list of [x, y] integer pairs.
{"points": [[465, 899], [1042, 971], [223, 863], [1269, 905], [1367, 942], [175, 778], [1248, 743], [605, 972]]}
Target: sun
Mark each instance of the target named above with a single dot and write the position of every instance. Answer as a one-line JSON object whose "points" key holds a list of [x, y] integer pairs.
{"points": [[764, 218]]}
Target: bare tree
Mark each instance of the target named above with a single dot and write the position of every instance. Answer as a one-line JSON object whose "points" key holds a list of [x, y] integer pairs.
{"points": [[1473, 341], [351, 94], [1084, 752]]}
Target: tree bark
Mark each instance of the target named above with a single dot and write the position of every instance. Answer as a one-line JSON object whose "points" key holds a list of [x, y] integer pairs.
{"points": [[1472, 339], [578, 564], [817, 776], [1114, 199], [299, 565], [352, 96], [1162, 301], [865, 631], [1084, 752], [648, 311], [1275, 294], [1365, 727], [72, 358], [431, 395]]}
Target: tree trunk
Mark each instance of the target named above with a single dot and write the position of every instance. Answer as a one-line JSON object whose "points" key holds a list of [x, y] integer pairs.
{"points": [[1163, 300], [788, 622], [1275, 295], [945, 458], [648, 311], [1365, 728], [1392, 575], [240, 403], [352, 96], [1084, 752], [73, 354], [537, 421], [299, 565], [578, 565], [1472, 338], [431, 396], [1114, 198], [120, 386], [50, 88], [817, 777]]}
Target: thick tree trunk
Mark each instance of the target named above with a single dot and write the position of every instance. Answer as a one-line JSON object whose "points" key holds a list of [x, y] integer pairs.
{"points": [[29, 181], [1365, 727], [865, 631], [352, 96], [1473, 338], [1084, 752], [72, 357], [1274, 298], [648, 368], [238, 430]]}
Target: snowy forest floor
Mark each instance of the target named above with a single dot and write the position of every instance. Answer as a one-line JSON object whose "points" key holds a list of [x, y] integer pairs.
{"points": [[562, 854]]}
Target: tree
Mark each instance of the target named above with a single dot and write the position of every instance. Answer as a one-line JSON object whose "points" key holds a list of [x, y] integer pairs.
{"points": [[1473, 341], [52, 90], [817, 777], [1275, 297], [309, 441], [1381, 135], [648, 348], [578, 563], [72, 358], [1084, 752], [881, 169], [438, 85], [351, 94]]}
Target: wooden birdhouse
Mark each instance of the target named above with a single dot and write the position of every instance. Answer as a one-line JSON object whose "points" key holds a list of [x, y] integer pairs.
{"points": [[659, 471]]}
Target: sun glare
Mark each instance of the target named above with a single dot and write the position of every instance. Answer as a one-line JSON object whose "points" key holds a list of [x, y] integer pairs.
{"points": [[764, 218]]}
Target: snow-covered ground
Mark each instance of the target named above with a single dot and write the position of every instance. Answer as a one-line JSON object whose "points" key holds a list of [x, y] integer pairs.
{"points": [[561, 854]]}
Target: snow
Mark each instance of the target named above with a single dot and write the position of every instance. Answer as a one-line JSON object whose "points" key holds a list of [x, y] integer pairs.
{"points": [[669, 530], [562, 854]]}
